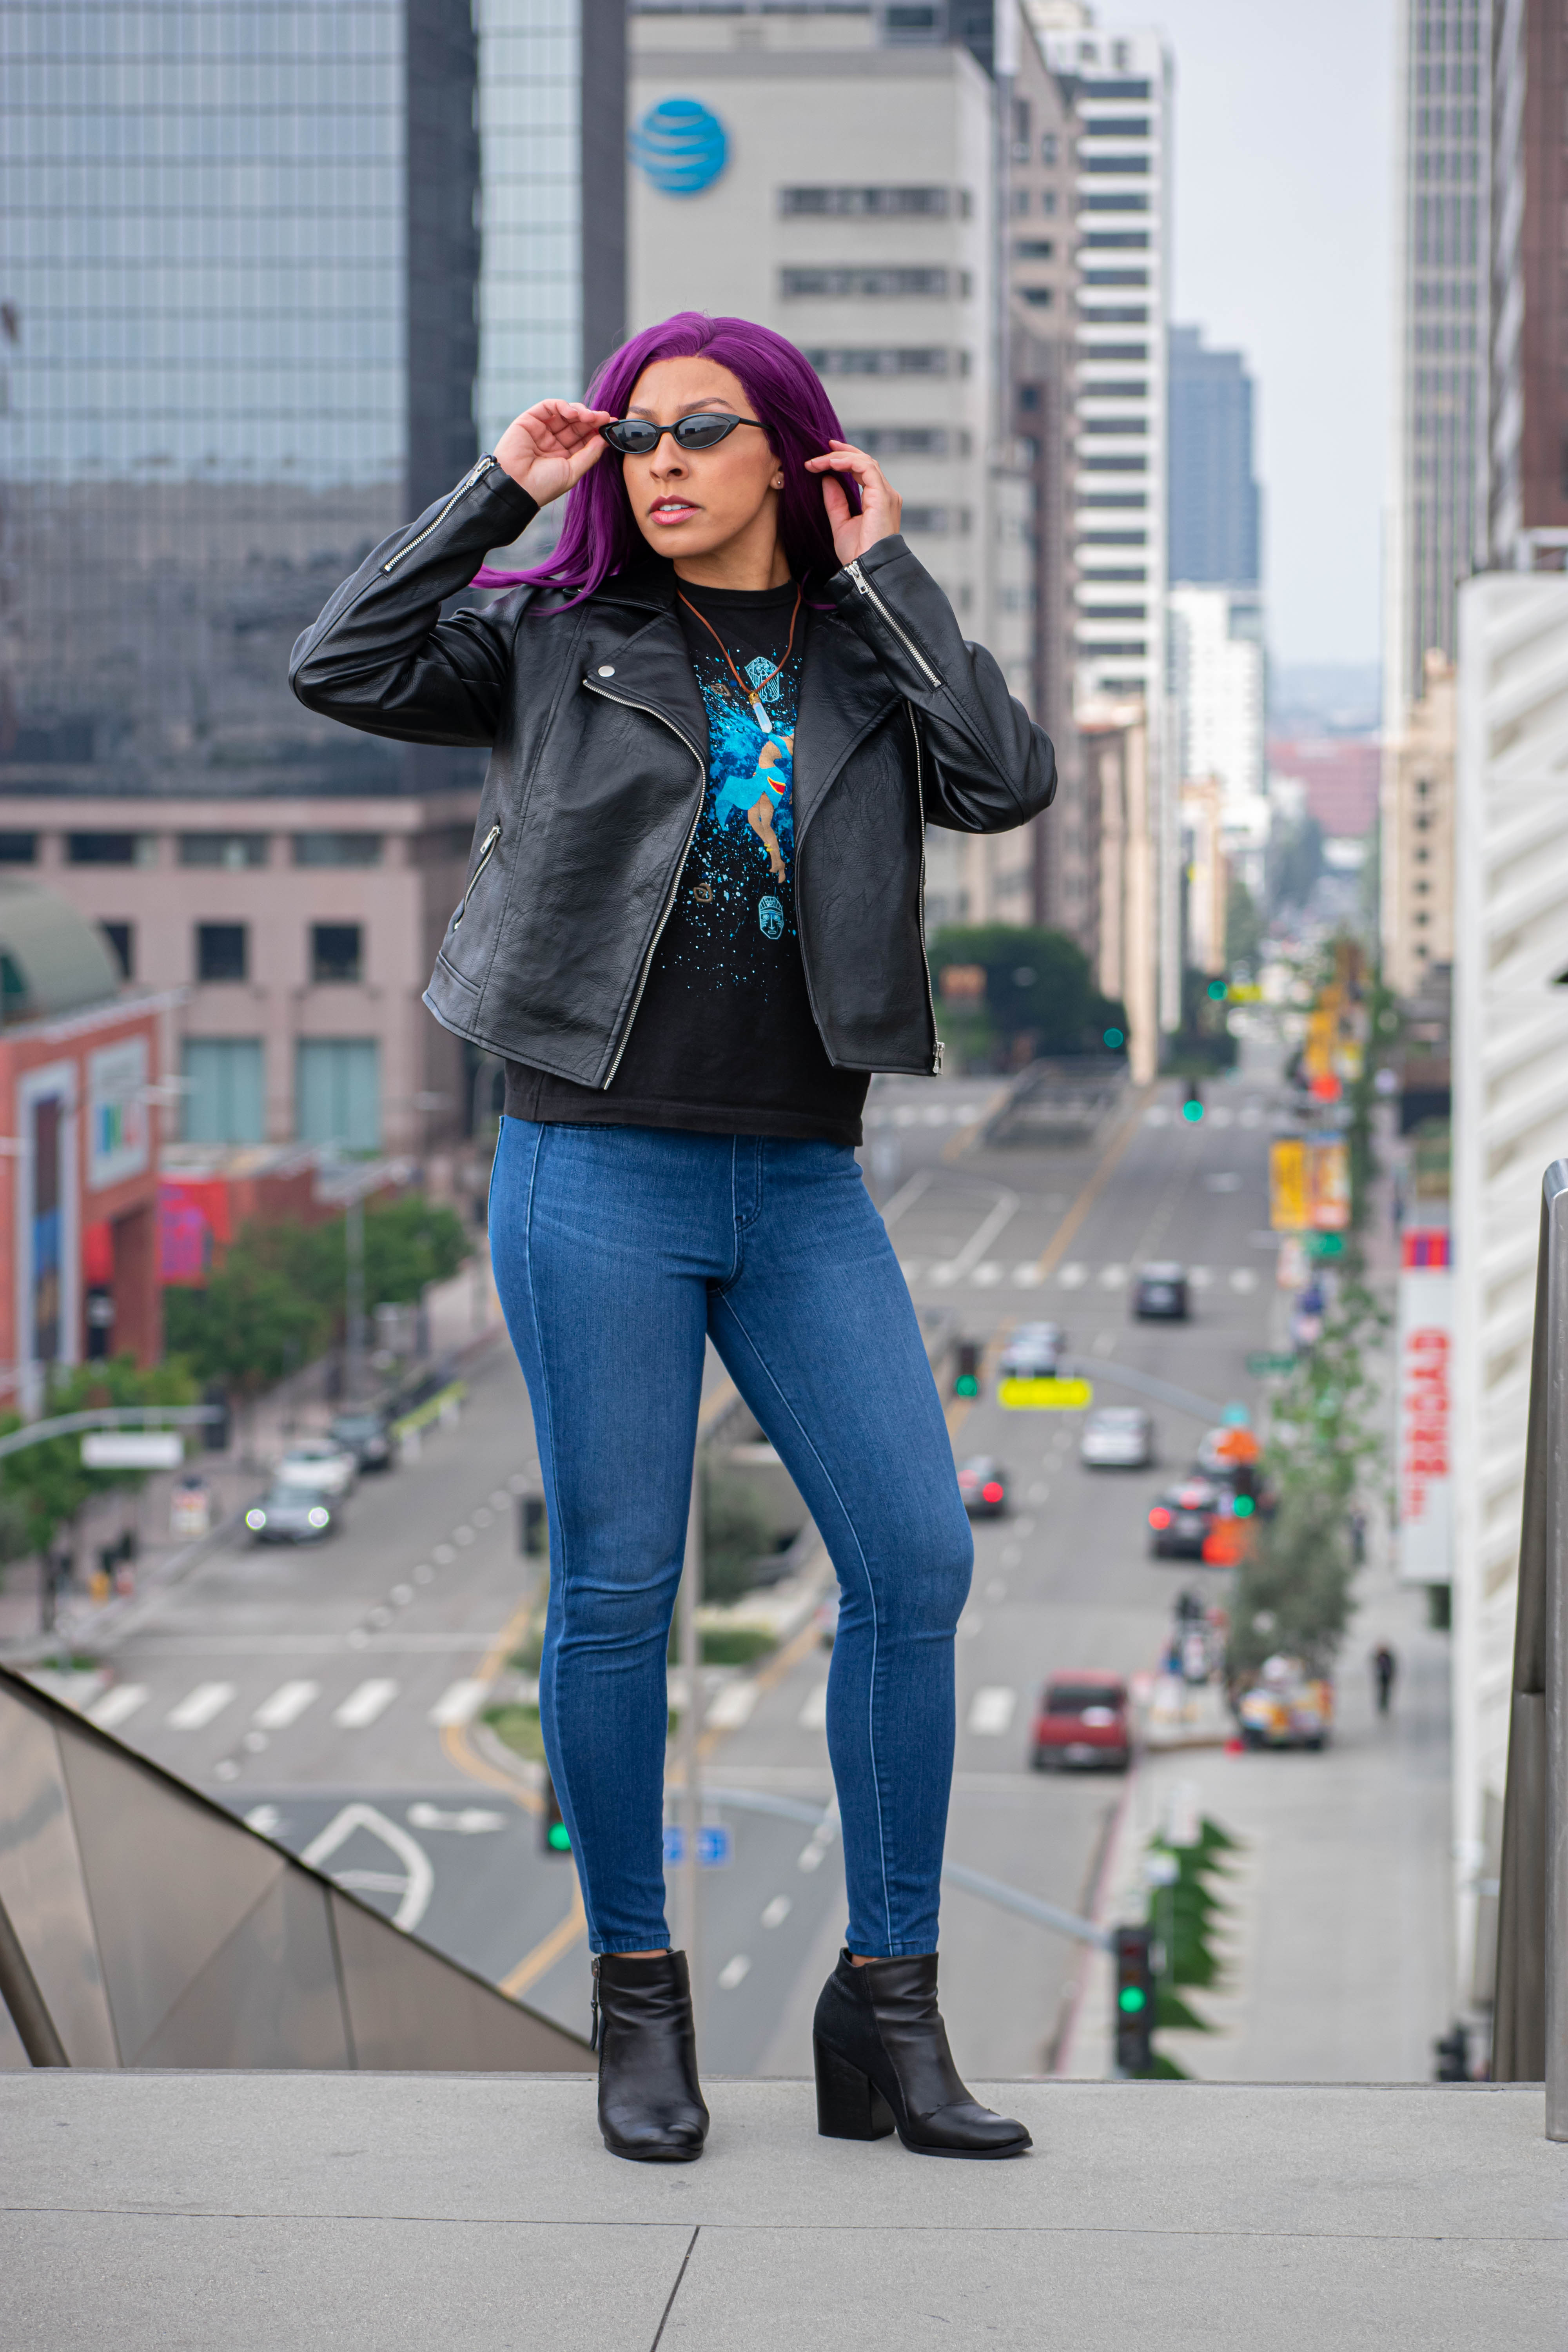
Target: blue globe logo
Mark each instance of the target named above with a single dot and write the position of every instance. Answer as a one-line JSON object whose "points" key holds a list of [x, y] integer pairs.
{"points": [[681, 146]]}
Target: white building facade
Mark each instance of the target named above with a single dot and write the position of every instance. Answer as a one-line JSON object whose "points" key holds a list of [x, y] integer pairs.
{"points": [[1510, 1120], [1218, 679]]}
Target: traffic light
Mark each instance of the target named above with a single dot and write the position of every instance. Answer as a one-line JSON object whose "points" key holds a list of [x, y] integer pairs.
{"points": [[1132, 1949], [215, 1431], [1453, 2052], [554, 1837], [966, 1377], [1192, 1109]]}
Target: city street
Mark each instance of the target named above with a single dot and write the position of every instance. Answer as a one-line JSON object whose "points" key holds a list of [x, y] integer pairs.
{"points": [[328, 1694]]}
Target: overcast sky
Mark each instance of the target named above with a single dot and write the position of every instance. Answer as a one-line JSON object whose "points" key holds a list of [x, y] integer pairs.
{"points": [[1283, 147]]}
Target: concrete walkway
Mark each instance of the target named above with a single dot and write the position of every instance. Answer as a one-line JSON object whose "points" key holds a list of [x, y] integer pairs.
{"points": [[177, 2212]]}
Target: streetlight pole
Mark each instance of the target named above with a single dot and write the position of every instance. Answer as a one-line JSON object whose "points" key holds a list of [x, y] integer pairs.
{"points": [[690, 1601], [354, 1245]]}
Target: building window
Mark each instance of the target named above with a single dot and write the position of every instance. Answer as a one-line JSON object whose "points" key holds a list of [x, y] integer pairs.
{"points": [[1126, 200], [111, 849], [1039, 297], [918, 362], [1120, 316], [338, 848], [1091, 649], [233, 851], [1126, 240], [1101, 464], [222, 952], [122, 938], [1116, 278], [937, 523], [908, 440], [1117, 126], [1125, 167], [1109, 424], [18, 849], [1048, 148], [336, 952], [1034, 249], [337, 1092], [1132, 387], [864, 283], [224, 1100], [863, 204], [1113, 352]]}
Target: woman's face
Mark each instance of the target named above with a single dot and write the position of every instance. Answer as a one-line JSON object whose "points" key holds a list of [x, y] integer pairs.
{"points": [[692, 502]]}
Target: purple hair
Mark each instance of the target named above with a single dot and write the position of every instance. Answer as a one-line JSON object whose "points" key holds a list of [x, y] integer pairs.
{"points": [[599, 536]]}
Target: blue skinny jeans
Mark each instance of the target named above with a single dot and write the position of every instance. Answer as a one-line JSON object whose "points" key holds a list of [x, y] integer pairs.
{"points": [[617, 1251]]}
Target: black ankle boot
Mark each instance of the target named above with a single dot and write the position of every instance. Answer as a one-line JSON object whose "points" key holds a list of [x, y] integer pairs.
{"points": [[883, 2064], [650, 2107]]}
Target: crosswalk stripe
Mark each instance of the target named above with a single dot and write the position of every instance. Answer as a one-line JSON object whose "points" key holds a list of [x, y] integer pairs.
{"points": [[1072, 1276], [1025, 1276], [1112, 1277], [362, 1706], [729, 1708], [813, 1716], [986, 1274], [1242, 1278], [1199, 1277], [199, 1707], [991, 1710], [285, 1705], [459, 1703], [117, 1705]]}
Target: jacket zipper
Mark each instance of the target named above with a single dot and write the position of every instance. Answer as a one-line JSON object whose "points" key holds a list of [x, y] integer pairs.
{"points": [[902, 636], [925, 959], [476, 474], [486, 851], [669, 909]]}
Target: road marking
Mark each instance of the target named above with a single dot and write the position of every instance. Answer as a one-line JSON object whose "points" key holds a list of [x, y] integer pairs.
{"points": [[500, 1499], [265, 1819], [1200, 1276], [1011, 1556], [985, 1233], [401, 1595], [1027, 1276], [1073, 1276], [1251, 1116], [1221, 1117], [731, 1707], [463, 1535], [1112, 1277], [1242, 1278], [1156, 1116], [445, 1554], [996, 1590], [734, 1973], [287, 1704], [361, 1707], [416, 1881], [483, 1518], [813, 1716], [811, 1855], [544, 1954], [473, 1821], [777, 1911], [118, 1706], [946, 1272], [460, 1702], [988, 1274], [1056, 1249], [196, 1711], [424, 1574], [991, 1711]]}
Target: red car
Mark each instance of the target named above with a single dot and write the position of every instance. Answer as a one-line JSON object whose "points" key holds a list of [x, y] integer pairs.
{"points": [[1083, 1719]]}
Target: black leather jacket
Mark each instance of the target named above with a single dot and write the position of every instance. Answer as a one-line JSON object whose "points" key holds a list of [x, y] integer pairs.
{"points": [[599, 747]]}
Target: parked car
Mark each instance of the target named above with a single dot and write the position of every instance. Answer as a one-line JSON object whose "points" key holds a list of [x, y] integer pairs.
{"points": [[1179, 1522], [1160, 1293], [1117, 1437], [1083, 1719], [290, 1514], [1033, 1353], [983, 1485], [1287, 1708], [319, 1462], [366, 1436]]}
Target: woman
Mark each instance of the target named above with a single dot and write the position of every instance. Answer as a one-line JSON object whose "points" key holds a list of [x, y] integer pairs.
{"points": [[690, 959]]}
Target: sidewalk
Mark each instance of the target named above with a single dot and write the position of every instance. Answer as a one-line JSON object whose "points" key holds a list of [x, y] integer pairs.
{"points": [[1338, 1949]]}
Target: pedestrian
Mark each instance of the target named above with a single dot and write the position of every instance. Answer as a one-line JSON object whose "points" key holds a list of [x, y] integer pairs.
{"points": [[1384, 1666], [691, 961]]}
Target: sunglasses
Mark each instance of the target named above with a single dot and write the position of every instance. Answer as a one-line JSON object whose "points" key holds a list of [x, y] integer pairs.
{"points": [[637, 436]]}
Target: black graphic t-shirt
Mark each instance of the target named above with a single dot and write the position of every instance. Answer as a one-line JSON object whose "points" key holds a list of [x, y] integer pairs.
{"points": [[724, 1041]]}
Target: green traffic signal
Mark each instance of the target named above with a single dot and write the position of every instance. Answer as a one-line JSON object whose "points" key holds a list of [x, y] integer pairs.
{"points": [[1243, 1507], [1218, 992], [1115, 1039], [1132, 1999], [559, 1838], [967, 1385], [1192, 1110]]}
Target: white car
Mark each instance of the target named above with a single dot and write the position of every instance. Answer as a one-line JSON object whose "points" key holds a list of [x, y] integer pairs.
{"points": [[1117, 1437], [319, 1464]]}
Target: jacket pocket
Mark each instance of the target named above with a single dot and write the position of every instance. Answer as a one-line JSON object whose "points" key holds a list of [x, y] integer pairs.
{"points": [[486, 851]]}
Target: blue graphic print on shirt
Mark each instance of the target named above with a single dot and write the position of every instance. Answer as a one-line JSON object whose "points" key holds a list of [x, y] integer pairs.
{"points": [[736, 892]]}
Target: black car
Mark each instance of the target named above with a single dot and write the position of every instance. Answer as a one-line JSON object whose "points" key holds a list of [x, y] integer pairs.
{"points": [[983, 1486], [290, 1514], [1180, 1520], [366, 1435], [1160, 1294]]}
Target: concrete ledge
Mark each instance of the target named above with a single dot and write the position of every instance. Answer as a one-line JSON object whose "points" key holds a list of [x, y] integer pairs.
{"points": [[164, 2211]]}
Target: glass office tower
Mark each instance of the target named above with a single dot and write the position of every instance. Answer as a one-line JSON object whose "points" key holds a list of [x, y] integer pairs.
{"points": [[239, 267]]}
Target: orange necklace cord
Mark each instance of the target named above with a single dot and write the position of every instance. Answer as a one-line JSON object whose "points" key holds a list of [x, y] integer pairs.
{"points": [[750, 694]]}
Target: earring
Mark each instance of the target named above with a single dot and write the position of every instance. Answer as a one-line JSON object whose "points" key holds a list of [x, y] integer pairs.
{"points": [[778, 481]]}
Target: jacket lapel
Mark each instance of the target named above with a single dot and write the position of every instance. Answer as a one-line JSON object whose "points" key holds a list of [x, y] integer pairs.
{"points": [[844, 692], [644, 653]]}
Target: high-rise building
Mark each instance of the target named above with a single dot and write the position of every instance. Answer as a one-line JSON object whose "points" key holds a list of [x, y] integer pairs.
{"points": [[1213, 502], [1418, 836], [1437, 524], [1528, 501], [250, 250], [1216, 679], [1120, 87]]}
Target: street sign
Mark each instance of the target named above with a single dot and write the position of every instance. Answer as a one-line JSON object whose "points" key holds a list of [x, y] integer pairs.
{"points": [[1260, 1363], [1287, 1185], [1325, 1244], [715, 1846], [133, 1449], [1045, 1396]]}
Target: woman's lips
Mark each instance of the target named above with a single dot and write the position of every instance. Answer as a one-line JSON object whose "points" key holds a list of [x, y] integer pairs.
{"points": [[667, 512]]}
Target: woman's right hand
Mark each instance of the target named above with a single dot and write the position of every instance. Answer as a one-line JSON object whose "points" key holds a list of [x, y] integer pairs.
{"points": [[551, 445]]}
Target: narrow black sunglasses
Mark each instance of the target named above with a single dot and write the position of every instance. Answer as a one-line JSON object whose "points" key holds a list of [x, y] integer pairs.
{"points": [[639, 437]]}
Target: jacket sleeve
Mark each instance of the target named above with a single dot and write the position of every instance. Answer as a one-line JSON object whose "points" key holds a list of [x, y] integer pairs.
{"points": [[990, 767], [380, 657]]}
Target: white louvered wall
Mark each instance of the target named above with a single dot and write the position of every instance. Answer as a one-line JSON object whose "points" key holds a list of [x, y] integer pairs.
{"points": [[1511, 1118]]}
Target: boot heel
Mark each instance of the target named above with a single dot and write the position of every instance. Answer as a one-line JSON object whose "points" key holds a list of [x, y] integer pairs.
{"points": [[849, 2103]]}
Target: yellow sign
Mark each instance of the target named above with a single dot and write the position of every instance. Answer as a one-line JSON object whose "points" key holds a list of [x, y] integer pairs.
{"points": [[1045, 1396], [1287, 1206], [1331, 1187], [1245, 992]]}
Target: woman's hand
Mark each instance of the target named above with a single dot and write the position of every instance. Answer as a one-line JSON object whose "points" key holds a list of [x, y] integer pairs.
{"points": [[880, 506], [551, 445]]}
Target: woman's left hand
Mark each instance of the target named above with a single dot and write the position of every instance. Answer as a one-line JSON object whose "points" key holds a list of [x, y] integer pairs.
{"points": [[881, 505]]}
